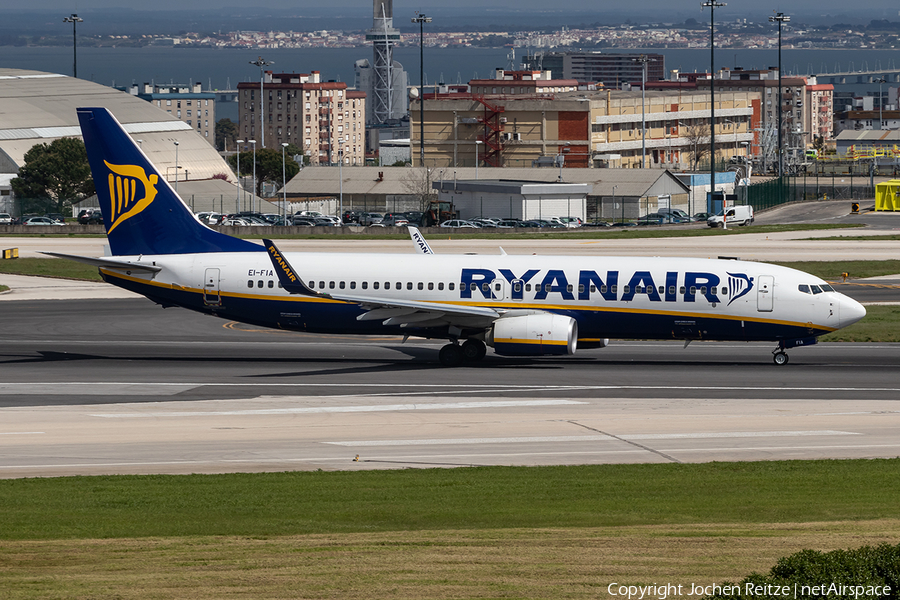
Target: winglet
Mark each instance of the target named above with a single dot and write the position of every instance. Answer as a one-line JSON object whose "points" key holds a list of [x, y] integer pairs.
{"points": [[419, 240], [288, 277]]}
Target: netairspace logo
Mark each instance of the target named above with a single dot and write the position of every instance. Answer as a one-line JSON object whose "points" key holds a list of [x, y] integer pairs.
{"points": [[669, 590]]}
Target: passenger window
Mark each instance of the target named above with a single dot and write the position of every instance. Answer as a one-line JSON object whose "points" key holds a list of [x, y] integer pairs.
{"points": [[399, 286], [421, 286], [672, 290], [365, 285], [569, 288], [681, 290], [451, 286], [485, 287], [374, 285], [614, 289], [387, 285], [321, 285], [803, 288], [259, 283], [441, 285], [472, 286], [527, 287], [249, 283], [497, 287], [693, 290], [724, 291], [330, 285], [352, 285], [626, 289], [638, 289], [517, 287], [409, 285], [341, 285], [580, 288], [430, 286], [713, 290], [547, 287], [271, 283], [603, 289], [312, 285], [703, 290]]}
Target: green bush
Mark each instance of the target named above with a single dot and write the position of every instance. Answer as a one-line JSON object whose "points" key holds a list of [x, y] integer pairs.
{"points": [[866, 572]]}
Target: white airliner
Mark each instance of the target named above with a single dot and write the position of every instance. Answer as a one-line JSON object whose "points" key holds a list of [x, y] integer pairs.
{"points": [[518, 305]]}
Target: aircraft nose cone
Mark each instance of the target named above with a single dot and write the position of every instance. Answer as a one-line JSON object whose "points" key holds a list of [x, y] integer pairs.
{"points": [[851, 311]]}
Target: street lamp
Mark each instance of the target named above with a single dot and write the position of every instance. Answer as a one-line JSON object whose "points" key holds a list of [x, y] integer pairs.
{"points": [[283, 185], [477, 142], [262, 64], [176, 167], [253, 145], [560, 159], [237, 205], [615, 187], [643, 59], [73, 20], [780, 18], [341, 177], [880, 81], [712, 5], [421, 20]]}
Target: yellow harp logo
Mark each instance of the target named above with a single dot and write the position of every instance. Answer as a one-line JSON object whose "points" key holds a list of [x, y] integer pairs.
{"points": [[124, 181]]}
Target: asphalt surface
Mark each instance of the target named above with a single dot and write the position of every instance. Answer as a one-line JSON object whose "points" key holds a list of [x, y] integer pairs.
{"points": [[123, 386], [95, 380]]}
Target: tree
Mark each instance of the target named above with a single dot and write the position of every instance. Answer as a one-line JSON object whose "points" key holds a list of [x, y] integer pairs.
{"points": [[226, 131], [698, 140], [268, 165], [417, 182], [57, 174]]}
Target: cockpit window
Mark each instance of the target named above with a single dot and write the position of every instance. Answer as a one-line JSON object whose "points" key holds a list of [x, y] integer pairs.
{"points": [[827, 288], [803, 288], [815, 289]]}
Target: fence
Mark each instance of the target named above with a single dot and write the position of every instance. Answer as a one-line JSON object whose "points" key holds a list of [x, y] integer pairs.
{"points": [[782, 190]]}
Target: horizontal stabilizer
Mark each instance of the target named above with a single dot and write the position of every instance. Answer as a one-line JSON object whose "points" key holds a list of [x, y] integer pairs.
{"points": [[107, 263]]}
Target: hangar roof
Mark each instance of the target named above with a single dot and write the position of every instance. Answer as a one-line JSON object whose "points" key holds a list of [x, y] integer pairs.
{"points": [[38, 107]]}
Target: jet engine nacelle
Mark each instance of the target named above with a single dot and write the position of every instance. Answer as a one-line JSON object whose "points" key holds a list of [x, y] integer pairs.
{"points": [[533, 335]]}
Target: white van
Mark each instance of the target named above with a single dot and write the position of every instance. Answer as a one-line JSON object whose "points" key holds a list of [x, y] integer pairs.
{"points": [[741, 214]]}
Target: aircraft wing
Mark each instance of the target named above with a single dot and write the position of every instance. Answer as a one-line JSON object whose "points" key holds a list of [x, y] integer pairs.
{"points": [[392, 311], [419, 241], [107, 263]]}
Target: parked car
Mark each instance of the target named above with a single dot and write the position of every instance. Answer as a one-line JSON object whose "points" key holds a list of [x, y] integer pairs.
{"points": [[327, 222], [486, 222], [210, 218], [302, 222], [308, 214], [42, 221], [597, 224], [702, 216], [458, 224], [351, 216], [56, 217], [5, 219], [415, 217], [571, 222], [236, 222], [90, 216], [508, 223], [624, 224], [370, 218], [682, 216], [395, 220]]}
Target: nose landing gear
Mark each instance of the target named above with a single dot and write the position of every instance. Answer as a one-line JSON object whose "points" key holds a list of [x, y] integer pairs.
{"points": [[780, 357]]}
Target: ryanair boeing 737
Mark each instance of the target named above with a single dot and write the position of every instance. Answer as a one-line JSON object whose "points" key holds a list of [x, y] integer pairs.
{"points": [[518, 305]]}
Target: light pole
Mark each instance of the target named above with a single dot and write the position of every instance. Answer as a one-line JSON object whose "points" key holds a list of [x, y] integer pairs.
{"points": [[712, 5], [341, 178], [176, 167], [780, 18], [421, 20], [262, 64], [560, 159], [643, 59], [477, 142], [253, 145], [74, 19], [880, 81], [615, 187], [283, 185], [237, 205]]}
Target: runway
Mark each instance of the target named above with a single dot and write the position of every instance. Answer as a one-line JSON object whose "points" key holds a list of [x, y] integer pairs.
{"points": [[123, 386]]}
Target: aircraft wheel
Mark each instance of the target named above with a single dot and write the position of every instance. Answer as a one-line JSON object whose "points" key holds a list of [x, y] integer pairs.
{"points": [[780, 358], [451, 355], [473, 350]]}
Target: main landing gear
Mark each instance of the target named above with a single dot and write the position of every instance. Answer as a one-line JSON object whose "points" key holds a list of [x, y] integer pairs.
{"points": [[453, 355], [780, 357]]}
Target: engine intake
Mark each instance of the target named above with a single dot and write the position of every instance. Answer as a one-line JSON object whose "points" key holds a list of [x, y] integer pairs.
{"points": [[533, 335]]}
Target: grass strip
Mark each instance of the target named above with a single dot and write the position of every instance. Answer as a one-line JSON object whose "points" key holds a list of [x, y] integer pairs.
{"points": [[300, 503], [50, 267], [491, 563], [833, 270], [881, 324]]}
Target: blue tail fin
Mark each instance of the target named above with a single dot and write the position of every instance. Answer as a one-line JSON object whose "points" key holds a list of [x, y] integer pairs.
{"points": [[142, 213]]}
